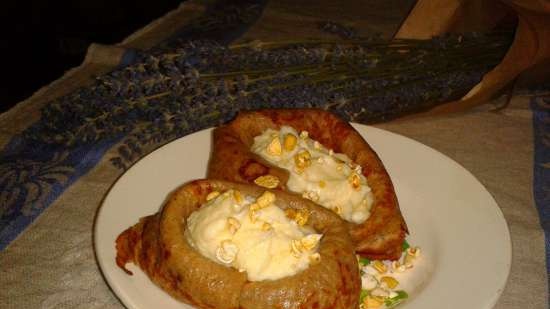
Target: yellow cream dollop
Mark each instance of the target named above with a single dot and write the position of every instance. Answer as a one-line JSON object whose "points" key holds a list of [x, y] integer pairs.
{"points": [[252, 235], [329, 179]]}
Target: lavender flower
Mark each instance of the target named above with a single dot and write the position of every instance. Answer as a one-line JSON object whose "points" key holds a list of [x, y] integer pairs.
{"points": [[170, 92]]}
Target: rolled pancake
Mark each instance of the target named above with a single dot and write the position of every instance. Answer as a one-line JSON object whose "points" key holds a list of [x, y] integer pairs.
{"points": [[381, 236], [158, 246]]}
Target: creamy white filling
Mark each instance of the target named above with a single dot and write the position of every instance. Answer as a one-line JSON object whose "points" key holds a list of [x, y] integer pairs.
{"points": [[252, 235], [329, 179]]}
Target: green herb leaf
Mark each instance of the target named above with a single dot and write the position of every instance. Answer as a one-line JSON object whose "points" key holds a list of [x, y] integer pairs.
{"points": [[364, 261], [406, 245], [394, 301], [362, 296]]}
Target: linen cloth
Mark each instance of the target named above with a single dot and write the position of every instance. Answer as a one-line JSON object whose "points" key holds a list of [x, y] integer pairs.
{"points": [[52, 264]]}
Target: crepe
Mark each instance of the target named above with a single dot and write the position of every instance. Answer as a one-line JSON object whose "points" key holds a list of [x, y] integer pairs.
{"points": [[158, 246], [381, 236]]}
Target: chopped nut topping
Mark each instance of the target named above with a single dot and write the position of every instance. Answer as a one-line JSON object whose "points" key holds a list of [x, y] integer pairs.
{"points": [[266, 227], [373, 302], [304, 134], [390, 282], [266, 199], [274, 148], [316, 145], [302, 159], [296, 248], [379, 292], [413, 251], [355, 181], [254, 207], [263, 201], [310, 241], [291, 213], [252, 214], [267, 181], [337, 209], [315, 258], [311, 195], [397, 267], [410, 255], [379, 266], [212, 195], [301, 217], [290, 142], [227, 251], [330, 152], [238, 196], [233, 225]]}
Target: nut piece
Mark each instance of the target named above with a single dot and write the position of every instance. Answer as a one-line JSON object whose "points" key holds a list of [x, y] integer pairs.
{"points": [[233, 225], [302, 159], [309, 242], [263, 201], [212, 195], [290, 142], [304, 134], [267, 181], [252, 214], [390, 282], [296, 248], [227, 251], [355, 181], [274, 148], [380, 292], [315, 258], [301, 217], [397, 267], [337, 210], [267, 198], [413, 251], [311, 195], [266, 227], [379, 266], [238, 196], [372, 302], [410, 256], [291, 213]]}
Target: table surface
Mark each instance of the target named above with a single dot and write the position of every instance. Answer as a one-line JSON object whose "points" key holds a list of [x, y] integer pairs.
{"points": [[52, 264]]}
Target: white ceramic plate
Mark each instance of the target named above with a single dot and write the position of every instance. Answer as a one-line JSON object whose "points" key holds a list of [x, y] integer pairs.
{"points": [[466, 251]]}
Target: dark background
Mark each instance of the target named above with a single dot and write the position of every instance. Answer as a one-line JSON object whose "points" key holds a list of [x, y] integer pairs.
{"points": [[42, 39]]}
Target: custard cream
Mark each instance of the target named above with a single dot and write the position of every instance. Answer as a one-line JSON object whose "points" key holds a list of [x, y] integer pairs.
{"points": [[253, 235]]}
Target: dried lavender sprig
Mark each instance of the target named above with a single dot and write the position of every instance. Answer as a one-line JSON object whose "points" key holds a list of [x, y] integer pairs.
{"points": [[167, 86]]}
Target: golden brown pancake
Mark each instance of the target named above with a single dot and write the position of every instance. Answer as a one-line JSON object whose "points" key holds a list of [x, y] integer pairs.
{"points": [[381, 236], [158, 246]]}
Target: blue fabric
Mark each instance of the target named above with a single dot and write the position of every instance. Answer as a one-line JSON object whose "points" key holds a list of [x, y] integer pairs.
{"points": [[540, 105], [33, 175], [33, 180]]}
